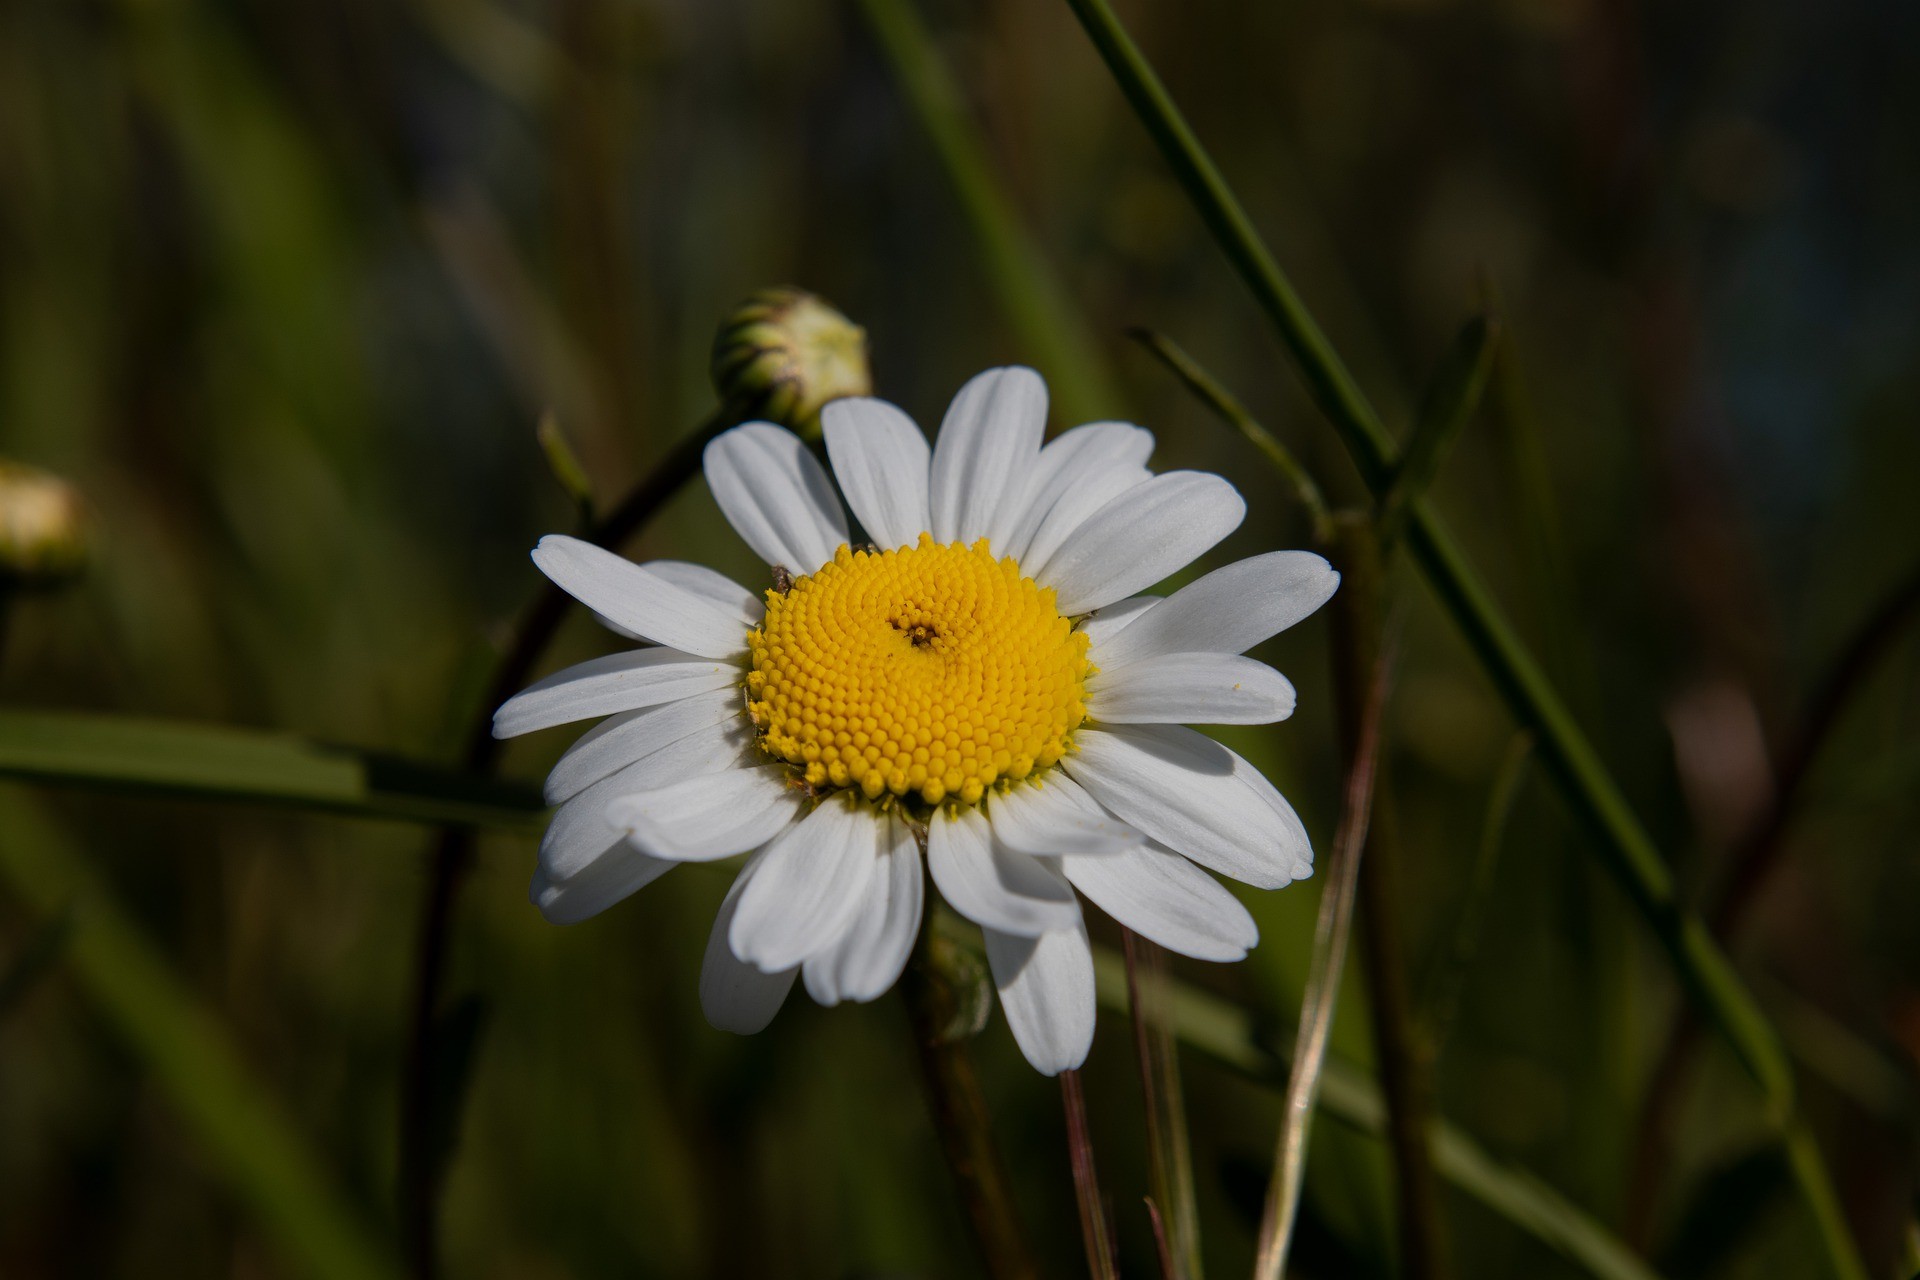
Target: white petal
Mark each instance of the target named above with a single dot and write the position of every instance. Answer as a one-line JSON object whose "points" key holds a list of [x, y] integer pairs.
{"points": [[581, 830], [1067, 461], [1229, 610], [984, 455], [618, 874], [617, 682], [1055, 816], [1046, 988], [1103, 624], [640, 602], [1196, 797], [1078, 505], [1161, 896], [1190, 688], [776, 495], [991, 884], [734, 995], [808, 886], [749, 606], [869, 956], [1140, 537], [707, 818], [618, 741], [880, 459]]}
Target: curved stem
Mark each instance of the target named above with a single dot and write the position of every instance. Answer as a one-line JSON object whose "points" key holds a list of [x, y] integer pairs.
{"points": [[420, 1172]]}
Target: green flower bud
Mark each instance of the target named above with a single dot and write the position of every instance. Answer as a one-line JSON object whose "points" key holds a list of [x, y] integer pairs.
{"points": [[784, 353], [43, 527]]}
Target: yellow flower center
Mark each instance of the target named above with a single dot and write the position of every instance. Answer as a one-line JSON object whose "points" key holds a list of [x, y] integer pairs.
{"points": [[934, 670]]}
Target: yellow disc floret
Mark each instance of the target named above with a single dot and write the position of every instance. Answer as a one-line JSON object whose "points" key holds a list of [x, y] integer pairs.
{"points": [[932, 670]]}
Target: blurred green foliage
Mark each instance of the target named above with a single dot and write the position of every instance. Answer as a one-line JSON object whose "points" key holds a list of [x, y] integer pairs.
{"points": [[285, 289]]}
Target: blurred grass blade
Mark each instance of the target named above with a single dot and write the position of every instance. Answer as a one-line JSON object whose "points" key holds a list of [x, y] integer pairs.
{"points": [[1731, 1199], [35, 958], [267, 1166], [218, 762], [1175, 1203], [1232, 1036], [1448, 977], [564, 463], [1450, 401], [1050, 331], [1629, 851]]}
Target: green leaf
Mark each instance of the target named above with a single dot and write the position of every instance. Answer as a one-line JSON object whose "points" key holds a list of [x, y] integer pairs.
{"points": [[1233, 1036], [267, 1165], [246, 764]]}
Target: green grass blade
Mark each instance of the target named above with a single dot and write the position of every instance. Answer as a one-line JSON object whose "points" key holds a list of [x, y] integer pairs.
{"points": [[1047, 326], [1451, 400], [1231, 1035], [267, 1166], [219, 762], [1629, 852]]}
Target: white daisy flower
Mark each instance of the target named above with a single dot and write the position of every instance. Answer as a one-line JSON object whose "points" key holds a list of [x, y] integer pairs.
{"points": [[987, 680]]}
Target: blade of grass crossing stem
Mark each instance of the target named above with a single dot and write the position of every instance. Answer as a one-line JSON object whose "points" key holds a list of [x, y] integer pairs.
{"points": [[1237, 1039], [1576, 767], [265, 1164], [1331, 933], [1169, 1153], [1048, 328], [1450, 402], [1216, 397], [221, 762]]}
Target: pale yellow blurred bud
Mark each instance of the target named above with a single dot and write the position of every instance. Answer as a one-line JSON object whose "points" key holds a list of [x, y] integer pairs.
{"points": [[784, 353], [44, 527]]}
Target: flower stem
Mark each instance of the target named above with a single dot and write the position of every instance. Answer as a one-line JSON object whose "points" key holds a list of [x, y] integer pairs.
{"points": [[941, 1019], [421, 1158], [1094, 1228], [1332, 929]]}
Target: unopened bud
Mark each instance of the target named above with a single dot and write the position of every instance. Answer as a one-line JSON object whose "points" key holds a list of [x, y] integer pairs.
{"points": [[784, 353], [43, 527]]}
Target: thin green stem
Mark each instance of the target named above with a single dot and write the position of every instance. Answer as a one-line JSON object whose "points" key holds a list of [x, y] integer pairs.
{"points": [[1629, 852], [1046, 325], [1229, 409]]}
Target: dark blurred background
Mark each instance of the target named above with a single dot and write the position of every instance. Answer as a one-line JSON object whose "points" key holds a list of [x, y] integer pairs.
{"points": [[285, 287]]}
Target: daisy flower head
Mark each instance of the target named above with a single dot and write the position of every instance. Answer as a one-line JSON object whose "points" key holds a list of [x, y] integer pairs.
{"points": [[980, 679]]}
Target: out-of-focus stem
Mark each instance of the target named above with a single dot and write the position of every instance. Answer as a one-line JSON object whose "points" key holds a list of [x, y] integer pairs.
{"points": [[1399, 1050], [420, 1178], [960, 1114], [1332, 930], [1086, 1181], [1175, 1208]]}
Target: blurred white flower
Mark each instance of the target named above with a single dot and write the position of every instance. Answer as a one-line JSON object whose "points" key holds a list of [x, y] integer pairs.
{"points": [[987, 681]]}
